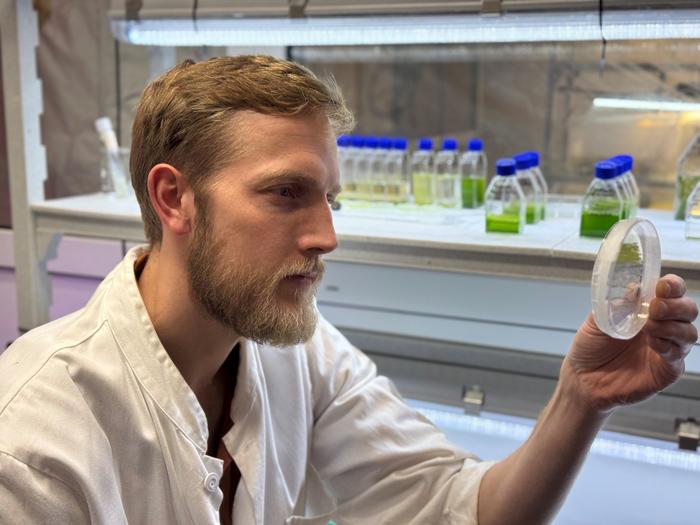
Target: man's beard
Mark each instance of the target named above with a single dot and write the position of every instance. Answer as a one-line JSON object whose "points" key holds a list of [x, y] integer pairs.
{"points": [[245, 299]]}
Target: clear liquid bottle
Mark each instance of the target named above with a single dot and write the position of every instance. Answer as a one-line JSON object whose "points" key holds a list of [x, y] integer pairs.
{"points": [[531, 188], [114, 161], [603, 203], [623, 187], [398, 182], [692, 214], [539, 176], [345, 165], [504, 200], [473, 166], [447, 178], [363, 169], [688, 176], [378, 169], [422, 173], [626, 164]]}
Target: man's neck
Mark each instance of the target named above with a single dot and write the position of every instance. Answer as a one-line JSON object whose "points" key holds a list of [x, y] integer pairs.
{"points": [[197, 344]]}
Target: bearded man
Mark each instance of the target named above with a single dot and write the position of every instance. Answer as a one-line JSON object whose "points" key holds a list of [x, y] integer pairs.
{"points": [[200, 384]]}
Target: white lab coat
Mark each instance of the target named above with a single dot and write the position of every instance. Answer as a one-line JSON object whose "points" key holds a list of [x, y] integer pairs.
{"points": [[98, 426]]}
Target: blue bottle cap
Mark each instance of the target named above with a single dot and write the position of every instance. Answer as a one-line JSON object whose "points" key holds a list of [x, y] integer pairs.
{"points": [[627, 162], [358, 141], [425, 144], [620, 165], [535, 157], [384, 142], [371, 142], [523, 161], [449, 144], [605, 170], [505, 167], [475, 144], [400, 143], [344, 141]]}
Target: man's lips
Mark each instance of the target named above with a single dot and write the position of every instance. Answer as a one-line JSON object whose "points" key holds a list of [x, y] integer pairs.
{"points": [[303, 278]]}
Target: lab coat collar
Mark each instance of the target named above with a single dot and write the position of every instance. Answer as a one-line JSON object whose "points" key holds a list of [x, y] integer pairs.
{"points": [[138, 341]]}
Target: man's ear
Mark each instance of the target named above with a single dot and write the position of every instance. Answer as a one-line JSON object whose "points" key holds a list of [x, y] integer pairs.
{"points": [[172, 198]]}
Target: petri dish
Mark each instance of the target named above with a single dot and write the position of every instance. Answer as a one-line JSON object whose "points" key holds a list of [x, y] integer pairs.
{"points": [[624, 277]]}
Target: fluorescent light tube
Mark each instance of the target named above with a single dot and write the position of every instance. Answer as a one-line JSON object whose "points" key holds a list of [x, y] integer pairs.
{"points": [[411, 29], [644, 105]]}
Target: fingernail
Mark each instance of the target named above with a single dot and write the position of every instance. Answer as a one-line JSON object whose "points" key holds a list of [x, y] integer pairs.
{"points": [[666, 289]]}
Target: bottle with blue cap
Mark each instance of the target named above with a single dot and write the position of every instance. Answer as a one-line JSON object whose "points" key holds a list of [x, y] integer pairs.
{"points": [[534, 196], [688, 176], [378, 169], [345, 165], [505, 201], [603, 204], [624, 186], [692, 214], [536, 171], [473, 166], [363, 169], [422, 173], [448, 188], [626, 164], [397, 182]]}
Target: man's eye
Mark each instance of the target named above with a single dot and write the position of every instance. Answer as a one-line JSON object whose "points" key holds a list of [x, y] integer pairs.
{"points": [[286, 192]]}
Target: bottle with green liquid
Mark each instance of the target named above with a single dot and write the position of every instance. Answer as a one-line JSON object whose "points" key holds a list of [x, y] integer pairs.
{"points": [[688, 176], [473, 166], [625, 164], [505, 202], [603, 204], [531, 188], [422, 173]]}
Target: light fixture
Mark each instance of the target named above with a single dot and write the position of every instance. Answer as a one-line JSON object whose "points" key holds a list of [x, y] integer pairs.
{"points": [[645, 105], [456, 28]]}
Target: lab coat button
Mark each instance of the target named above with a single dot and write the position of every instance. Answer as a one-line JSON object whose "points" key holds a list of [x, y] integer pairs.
{"points": [[211, 482]]}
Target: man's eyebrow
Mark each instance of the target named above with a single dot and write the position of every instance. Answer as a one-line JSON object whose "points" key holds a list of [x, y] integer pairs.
{"points": [[292, 177]]}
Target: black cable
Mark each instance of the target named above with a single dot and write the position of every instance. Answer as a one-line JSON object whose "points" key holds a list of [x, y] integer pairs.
{"points": [[195, 6], [601, 64]]}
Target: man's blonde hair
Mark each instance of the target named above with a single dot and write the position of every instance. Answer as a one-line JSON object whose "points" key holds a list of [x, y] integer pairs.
{"points": [[184, 116]]}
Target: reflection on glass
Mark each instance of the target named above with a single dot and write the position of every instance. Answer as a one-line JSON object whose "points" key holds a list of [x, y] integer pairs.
{"points": [[625, 303]]}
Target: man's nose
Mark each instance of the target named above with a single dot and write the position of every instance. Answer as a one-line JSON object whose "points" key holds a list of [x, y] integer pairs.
{"points": [[318, 235]]}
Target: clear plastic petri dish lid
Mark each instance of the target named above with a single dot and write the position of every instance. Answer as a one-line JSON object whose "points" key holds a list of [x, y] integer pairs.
{"points": [[624, 277]]}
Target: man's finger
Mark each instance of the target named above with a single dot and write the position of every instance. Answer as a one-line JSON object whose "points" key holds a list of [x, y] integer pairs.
{"points": [[670, 285], [679, 309], [679, 333], [668, 350]]}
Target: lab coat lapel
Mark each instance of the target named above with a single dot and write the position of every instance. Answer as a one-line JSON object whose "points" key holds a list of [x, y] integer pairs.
{"points": [[246, 441]]}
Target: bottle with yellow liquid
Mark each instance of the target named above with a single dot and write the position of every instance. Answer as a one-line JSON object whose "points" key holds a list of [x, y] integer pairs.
{"points": [[422, 173], [397, 182], [603, 204], [473, 166], [448, 188], [505, 202], [363, 169]]}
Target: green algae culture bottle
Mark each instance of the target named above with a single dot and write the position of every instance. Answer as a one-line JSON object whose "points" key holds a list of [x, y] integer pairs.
{"points": [[448, 188], [505, 202], [422, 173], [473, 166], [603, 204], [531, 188]]}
